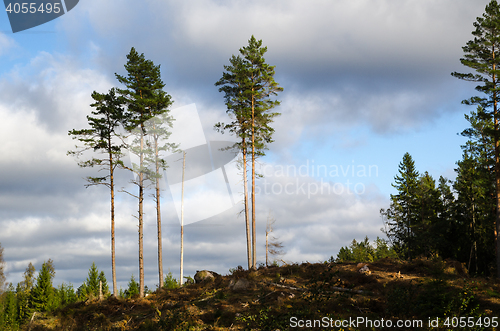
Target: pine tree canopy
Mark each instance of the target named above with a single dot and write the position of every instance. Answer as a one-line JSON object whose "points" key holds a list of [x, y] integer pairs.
{"points": [[249, 82]]}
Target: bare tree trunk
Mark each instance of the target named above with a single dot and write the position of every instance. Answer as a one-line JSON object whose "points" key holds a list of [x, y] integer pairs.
{"points": [[158, 216], [141, 217], [247, 220], [112, 189], [497, 181], [181, 279], [254, 253], [497, 166], [267, 248]]}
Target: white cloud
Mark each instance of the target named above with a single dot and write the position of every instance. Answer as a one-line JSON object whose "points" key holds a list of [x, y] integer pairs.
{"points": [[6, 44]]}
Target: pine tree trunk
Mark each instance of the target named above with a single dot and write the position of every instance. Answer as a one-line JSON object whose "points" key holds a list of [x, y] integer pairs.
{"points": [[247, 220], [254, 259], [497, 181], [158, 216], [267, 248], [497, 165], [112, 189], [181, 278], [141, 217]]}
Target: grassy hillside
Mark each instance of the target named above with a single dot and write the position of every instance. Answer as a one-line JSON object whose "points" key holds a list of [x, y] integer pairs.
{"points": [[291, 296]]}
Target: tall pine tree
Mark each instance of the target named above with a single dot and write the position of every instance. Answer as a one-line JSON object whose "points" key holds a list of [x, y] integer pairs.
{"points": [[475, 207], [144, 100], [249, 85], [102, 138], [158, 130], [482, 55], [231, 84]]}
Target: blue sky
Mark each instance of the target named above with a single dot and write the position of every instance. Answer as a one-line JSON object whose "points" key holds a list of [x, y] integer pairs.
{"points": [[364, 82]]}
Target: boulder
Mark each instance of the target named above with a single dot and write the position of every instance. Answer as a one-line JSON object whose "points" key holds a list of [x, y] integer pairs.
{"points": [[241, 284], [365, 270], [204, 276]]}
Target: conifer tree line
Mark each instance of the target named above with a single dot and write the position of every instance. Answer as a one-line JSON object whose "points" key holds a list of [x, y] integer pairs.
{"points": [[36, 293], [460, 219], [450, 220]]}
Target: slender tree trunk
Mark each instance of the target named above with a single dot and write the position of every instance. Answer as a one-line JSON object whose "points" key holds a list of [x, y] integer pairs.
{"points": [[141, 216], [112, 189], [497, 166], [267, 248], [497, 181], [245, 193], [254, 259], [158, 215], [181, 278]]}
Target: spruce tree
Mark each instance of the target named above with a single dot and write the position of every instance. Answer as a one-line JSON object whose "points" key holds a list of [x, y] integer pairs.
{"points": [[402, 216], [91, 285], [426, 236], [43, 292], [92, 281], [482, 55], [144, 99], [65, 294], [102, 138], [133, 288]]}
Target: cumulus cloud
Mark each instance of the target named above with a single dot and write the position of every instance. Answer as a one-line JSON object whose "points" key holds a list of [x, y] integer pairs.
{"points": [[6, 44]]}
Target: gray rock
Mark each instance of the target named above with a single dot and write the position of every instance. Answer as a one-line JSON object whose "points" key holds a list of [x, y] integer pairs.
{"points": [[204, 276], [241, 284]]}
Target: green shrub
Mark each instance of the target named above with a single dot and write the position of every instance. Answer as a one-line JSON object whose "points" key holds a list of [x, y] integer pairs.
{"points": [[170, 282]]}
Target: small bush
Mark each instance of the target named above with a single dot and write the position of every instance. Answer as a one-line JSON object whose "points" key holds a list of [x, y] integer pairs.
{"points": [[170, 282]]}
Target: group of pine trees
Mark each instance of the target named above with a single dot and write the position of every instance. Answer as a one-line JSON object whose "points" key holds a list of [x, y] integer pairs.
{"points": [[248, 85], [136, 119]]}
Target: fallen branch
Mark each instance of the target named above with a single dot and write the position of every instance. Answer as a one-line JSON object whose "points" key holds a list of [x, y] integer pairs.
{"points": [[289, 287], [264, 296], [339, 289]]}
